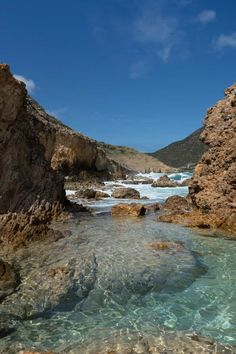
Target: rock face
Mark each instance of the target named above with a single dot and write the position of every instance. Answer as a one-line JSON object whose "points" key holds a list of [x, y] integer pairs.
{"points": [[213, 187], [26, 179], [212, 190], [28, 184], [126, 193], [70, 152], [164, 181]]}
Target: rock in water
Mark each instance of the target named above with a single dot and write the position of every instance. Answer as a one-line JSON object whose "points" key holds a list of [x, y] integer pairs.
{"points": [[132, 209], [126, 193], [164, 181]]}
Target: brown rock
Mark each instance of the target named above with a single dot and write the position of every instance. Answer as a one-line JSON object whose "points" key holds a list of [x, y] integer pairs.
{"points": [[126, 193], [133, 209], [101, 195], [212, 189], [185, 183], [152, 207], [176, 202], [28, 184], [164, 181]]}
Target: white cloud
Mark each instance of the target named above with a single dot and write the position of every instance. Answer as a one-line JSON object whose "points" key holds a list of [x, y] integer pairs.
{"points": [[30, 84], [206, 16], [158, 31], [226, 41]]}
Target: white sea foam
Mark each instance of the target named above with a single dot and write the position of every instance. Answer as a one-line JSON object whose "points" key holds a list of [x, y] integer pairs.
{"points": [[154, 194]]}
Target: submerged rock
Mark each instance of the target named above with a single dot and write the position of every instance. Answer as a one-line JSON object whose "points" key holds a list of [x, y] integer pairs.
{"points": [[164, 181], [133, 209], [126, 193], [167, 246], [8, 279]]}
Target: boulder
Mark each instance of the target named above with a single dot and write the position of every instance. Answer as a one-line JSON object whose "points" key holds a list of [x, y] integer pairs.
{"points": [[133, 209], [126, 193], [176, 202], [101, 195], [164, 181], [86, 193], [152, 207]]}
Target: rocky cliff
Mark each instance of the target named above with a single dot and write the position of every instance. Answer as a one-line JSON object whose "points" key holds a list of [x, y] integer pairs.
{"points": [[212, 190], [70, 152], [36, 153], [183, 154], [28, 184], [134, 160], [213, 187]]}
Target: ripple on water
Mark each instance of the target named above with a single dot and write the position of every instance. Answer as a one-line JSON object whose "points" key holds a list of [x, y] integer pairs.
{"points": [[137, 291]]}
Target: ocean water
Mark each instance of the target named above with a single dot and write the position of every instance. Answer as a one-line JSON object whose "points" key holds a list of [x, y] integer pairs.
{"points": [[154, 194], [139, 292]]}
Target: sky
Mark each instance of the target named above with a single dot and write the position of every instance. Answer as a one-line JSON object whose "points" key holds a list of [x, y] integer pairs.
{"points": [[140, 73]]}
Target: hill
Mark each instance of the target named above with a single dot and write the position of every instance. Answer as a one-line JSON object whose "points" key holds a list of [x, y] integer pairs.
{"points": [[134, 160], [184, 153]]}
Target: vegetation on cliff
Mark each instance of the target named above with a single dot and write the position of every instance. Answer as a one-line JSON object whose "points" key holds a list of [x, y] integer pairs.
{"points": [[183, 154]]}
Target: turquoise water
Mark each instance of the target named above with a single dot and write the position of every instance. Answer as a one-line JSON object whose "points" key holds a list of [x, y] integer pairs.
{"points": [[139, 291]]}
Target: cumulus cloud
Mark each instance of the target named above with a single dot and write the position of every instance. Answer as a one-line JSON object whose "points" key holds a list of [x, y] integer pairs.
{"points": [[226, 41], [30, 84], [158, 31], [206, 16]]}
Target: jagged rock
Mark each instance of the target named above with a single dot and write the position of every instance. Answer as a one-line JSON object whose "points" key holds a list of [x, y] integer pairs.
{"points": [[212, 189], [28, 184], [133, 209], [213, 186], [164, 181], [70, 152], [126, 193], [176, 203]]}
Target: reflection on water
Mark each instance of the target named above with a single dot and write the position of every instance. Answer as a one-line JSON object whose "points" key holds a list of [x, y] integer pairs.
{"points": [[139, 291]]}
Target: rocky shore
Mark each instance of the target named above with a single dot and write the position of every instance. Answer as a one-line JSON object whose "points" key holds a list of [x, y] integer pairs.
{"points": [[212, 189], [77, 267]]}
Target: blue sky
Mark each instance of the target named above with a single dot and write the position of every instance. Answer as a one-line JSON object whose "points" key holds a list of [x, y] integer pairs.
{"points": [[130, 72]]}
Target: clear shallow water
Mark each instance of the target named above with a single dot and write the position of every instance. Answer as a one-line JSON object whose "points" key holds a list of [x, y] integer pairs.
{"points": [[137, 291], [141, 292]]}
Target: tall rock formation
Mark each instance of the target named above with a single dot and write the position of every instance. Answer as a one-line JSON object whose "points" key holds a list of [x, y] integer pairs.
{"points": [[28, 184], [213, 187], [36, 153]]}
